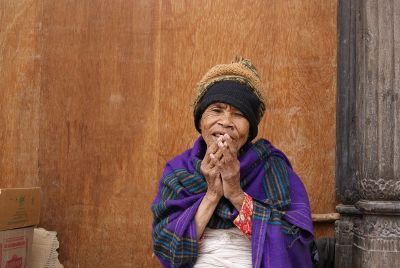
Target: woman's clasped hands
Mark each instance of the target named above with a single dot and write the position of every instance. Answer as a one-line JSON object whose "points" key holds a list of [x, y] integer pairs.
{"points": [[221, 169]]}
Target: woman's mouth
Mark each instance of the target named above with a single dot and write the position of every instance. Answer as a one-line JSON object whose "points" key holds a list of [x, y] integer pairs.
{"points": [[217, 135]]}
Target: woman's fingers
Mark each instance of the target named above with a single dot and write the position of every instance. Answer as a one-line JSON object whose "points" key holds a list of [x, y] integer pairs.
{"points": [[221, 153], [213, 161], [210, 150], [230, 144], [225, 149], [213, 148], [212, 157], [218, 154]]}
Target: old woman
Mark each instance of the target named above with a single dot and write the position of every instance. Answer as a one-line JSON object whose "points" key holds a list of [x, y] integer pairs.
{"points": [[229, 201]]}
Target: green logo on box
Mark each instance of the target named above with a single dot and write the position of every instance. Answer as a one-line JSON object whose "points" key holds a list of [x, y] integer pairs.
{"points": [[21, 200]]}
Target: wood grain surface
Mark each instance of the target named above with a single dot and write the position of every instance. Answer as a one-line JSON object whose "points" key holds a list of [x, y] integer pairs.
{"points": [[19, 92], [96, 97]]}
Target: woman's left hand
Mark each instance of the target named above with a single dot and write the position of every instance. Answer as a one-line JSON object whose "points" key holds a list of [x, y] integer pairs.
{"points": [[229, 167]]}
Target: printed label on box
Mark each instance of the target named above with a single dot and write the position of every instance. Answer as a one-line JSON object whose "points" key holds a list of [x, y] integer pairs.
{"points": [[13, 252], [15, 262]]}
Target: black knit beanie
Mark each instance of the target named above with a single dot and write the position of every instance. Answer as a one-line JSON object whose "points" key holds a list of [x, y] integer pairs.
{"points": [[233, 93]]}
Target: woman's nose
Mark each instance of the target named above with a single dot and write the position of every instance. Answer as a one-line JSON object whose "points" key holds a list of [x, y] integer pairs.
{"points": [[226, 121]]}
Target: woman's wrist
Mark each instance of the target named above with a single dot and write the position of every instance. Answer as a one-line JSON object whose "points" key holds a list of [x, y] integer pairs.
{"points": [[212, 197], [236, 199]]}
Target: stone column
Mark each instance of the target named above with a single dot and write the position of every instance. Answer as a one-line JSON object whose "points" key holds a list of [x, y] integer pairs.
{"points": [[368, 134], [347, 193]]}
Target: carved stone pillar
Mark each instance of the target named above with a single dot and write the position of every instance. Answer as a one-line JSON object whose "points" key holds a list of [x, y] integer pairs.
{"points": [[344, 234], [368, 134], [347, 193]]}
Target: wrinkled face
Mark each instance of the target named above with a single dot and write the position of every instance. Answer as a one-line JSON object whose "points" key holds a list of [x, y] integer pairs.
{"points": [[219, 119]]}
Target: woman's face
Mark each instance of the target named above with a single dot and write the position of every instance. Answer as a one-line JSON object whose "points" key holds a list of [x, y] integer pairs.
{"points": [[219, 119]]}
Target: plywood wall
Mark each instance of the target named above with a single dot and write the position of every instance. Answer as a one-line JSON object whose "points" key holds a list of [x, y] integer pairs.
{"points": [[19, 92], [96, 95]]}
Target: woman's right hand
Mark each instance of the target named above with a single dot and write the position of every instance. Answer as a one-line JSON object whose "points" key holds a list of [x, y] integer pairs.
{"points": [[211, 173]]}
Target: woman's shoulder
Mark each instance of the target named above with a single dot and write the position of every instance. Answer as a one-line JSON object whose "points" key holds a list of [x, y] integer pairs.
{"points": [[179, 161], [265, 146], [187, 158]]}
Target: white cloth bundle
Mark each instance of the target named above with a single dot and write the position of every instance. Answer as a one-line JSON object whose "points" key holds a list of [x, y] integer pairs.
{"points": [[227, 248], [44, 249]]}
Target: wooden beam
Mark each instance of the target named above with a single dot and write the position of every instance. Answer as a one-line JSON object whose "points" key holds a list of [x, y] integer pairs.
{"points": [[328, 217]]}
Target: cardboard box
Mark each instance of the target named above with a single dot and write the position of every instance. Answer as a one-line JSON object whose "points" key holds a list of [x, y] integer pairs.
{"points": [[19, 207], [16, 248]]}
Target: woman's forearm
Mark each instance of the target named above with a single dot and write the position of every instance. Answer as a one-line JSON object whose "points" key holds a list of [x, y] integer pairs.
{"points": [[204, 212]]}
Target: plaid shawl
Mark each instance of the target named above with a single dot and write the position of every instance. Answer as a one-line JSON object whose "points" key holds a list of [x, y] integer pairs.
{"points": [[281, 223]]}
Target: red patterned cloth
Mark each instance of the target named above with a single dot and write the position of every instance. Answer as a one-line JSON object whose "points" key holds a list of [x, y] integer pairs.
{"points": [[243, 220]]}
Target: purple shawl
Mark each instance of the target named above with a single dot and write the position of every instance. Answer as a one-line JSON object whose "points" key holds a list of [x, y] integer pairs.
{"points": [[281, 223]]}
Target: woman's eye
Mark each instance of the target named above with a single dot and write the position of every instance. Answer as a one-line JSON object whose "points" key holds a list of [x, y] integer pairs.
{"points": [[239, 114], [217, 110]]}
